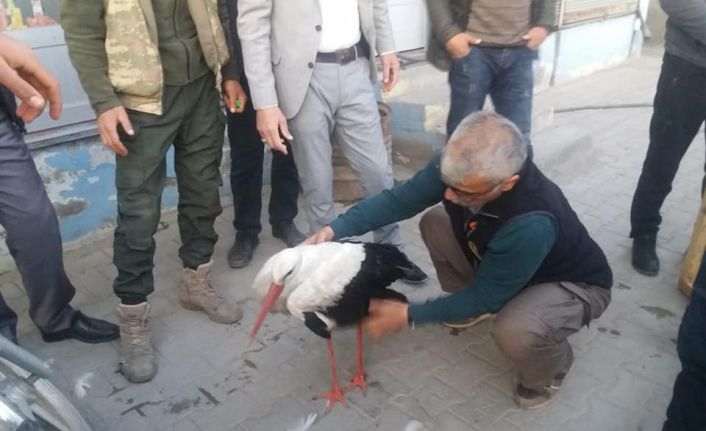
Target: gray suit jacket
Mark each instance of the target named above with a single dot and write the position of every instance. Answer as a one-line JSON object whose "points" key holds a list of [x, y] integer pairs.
{"points": [[280, 39]]}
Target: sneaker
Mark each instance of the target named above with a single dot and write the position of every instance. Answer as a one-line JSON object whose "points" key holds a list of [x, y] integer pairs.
{"points": [[414, 274], [468, 323], [530, 399]]}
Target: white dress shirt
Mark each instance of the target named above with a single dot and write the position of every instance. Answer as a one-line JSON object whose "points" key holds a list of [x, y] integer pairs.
{"points": [[340, 24]]}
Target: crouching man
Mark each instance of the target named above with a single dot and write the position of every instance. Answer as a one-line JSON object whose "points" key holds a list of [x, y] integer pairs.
{"points": [[505, 241]]}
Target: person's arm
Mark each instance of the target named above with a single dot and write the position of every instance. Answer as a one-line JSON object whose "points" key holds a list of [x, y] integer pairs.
{"points": [[421, 191], [547, 14], [384, 40], [84, 31], [227, 13], [513, 256], [690, 15], [442, 22], [254, 28]]}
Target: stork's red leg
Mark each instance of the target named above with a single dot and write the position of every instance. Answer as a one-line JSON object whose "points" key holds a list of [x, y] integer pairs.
{"points": [[358, 380], [336, 393]]}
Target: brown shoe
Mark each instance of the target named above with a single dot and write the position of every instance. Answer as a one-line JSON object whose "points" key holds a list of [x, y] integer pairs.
{"points": [[529, 399], [196, 293], [468, 323], [137, 361]]}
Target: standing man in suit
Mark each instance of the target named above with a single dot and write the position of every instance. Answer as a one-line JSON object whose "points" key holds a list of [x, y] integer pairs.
{"points": [[247, 156], [310, 63]]}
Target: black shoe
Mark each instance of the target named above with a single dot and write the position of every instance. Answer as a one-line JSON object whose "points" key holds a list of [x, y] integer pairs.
{"points": [[644, 255], [414, 274], [289, 234], [240, 254], [9, 332], [85, 329]]}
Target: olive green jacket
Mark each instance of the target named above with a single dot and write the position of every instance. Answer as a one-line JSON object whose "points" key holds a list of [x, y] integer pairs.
{"points": [[114, 47]]}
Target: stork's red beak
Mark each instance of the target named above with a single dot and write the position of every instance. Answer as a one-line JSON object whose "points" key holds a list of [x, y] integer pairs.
{"points": [[272, 295]]}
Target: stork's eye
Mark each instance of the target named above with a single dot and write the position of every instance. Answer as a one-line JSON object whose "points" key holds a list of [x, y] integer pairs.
{"points": [[289, 273]]}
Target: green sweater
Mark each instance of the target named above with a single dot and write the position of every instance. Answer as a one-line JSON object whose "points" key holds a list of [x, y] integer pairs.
{"points": [[179, 49], [512, 257]]}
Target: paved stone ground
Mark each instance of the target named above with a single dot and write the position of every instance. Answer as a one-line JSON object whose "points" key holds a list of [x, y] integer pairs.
{"points": [[211, 379]]}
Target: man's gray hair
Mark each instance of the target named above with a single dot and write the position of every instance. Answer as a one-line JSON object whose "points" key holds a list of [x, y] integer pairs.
{"points": [[485, 145]]}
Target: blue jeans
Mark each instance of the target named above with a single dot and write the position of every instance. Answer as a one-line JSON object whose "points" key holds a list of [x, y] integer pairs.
{"points": [[504, 73], [687, 411]]}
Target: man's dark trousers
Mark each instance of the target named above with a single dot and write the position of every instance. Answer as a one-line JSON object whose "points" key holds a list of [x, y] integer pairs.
{"points": [[33, 237], [247, 155], [503, 73], [679, 112], [687, 411]]}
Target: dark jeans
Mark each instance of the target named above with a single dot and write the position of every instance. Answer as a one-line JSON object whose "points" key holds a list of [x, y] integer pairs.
{"points": [[32, 236], [504, 73], [687, 411], [247, 154], [679, 112], [193, 122]]}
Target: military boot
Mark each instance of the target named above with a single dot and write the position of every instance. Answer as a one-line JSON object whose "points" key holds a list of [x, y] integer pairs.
{"points": [[196, 293], [137, 361]]}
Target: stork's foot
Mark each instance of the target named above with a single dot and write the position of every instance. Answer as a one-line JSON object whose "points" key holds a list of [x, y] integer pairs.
{"points": [[358, 381], [333, 396]]}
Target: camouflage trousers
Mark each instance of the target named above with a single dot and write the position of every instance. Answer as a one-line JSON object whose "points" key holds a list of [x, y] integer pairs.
{"points": [[193, 123]]}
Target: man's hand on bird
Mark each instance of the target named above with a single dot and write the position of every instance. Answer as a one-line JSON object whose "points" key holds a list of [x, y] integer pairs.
{"points": [[234, 96], [26, 78], [272, 126], [325, 234], [460, 44], [535, 37], [385, 316]]}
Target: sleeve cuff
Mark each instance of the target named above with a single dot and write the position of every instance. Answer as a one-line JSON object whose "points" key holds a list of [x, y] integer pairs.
{"points": [[274, 105], [101, 107]]}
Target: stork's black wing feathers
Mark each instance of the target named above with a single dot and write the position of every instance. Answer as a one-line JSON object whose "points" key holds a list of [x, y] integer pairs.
{"points": [[383, 265]]}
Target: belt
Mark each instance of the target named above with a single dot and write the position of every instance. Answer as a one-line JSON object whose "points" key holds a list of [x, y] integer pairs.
{"points": [[345, 55]]}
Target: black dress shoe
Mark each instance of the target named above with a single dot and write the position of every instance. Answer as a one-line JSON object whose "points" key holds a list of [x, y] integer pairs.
{"points": [[289, 234], [414, 274], [85, 329], [644, 255], [240, 254]]}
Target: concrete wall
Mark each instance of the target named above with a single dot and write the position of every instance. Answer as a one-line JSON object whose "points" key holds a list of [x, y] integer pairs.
{"points": [[80, 180]]}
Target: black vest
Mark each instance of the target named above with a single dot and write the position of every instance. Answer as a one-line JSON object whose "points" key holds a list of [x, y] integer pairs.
{"points": [[575, 257]]}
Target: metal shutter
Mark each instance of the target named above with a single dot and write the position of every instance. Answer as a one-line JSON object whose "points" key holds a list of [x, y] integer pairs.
{"points": [[586, 10]]}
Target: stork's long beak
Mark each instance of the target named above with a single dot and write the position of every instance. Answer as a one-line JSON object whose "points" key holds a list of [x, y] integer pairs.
{"points": [[272, 295]]}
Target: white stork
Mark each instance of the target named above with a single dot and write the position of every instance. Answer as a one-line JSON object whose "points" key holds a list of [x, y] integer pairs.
{"points": [[327, 286]]}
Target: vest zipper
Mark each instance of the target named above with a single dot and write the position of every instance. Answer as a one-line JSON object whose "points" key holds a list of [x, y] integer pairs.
{"points": [[183, 44]]}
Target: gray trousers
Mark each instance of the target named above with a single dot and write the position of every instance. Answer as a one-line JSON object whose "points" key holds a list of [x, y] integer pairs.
{"points": [[32, 236], [533, 327], [341, 101]]}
